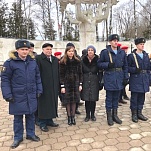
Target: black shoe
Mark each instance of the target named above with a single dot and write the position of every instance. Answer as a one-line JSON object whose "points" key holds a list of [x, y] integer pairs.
{"points": [[141, 116], [77, 112], [44, 129], [33, 138], [52, 124], [134, 116], [119, 104], [122, 101], [73, 120], [87, 119], [109, 118], [16, 143], [126, 97], [115, 117], [93, 118], [62, 104], [37, 123], [69, 120], [80, 103]]}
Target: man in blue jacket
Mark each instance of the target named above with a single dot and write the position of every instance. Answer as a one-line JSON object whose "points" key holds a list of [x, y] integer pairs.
{"points": [[21, 85], [113, 61], [139, 68]]}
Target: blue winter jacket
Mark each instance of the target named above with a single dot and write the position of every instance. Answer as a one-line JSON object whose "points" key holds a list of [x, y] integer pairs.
{"points": [[21, 81], [139, 82], [113, 79]]}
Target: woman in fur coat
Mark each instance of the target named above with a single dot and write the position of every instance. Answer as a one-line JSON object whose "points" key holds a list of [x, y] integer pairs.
{"points": [[71, 82], [90, 91]]}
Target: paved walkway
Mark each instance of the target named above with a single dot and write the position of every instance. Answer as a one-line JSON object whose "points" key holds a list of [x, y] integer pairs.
{"points": [[90, 136]]}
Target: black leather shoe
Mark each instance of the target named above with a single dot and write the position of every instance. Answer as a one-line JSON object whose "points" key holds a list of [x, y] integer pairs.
{"points": [[77, 112], [37, 123], [52, 124], [16, 143], [126, 97], [119, 104], [87, 119], [93, 118], [80, 103], [33, 138], [122, 101], [44, 129], [73, 120]]}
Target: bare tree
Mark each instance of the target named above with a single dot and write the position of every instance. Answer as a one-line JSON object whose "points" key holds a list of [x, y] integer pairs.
{"points": [[44, 15]]}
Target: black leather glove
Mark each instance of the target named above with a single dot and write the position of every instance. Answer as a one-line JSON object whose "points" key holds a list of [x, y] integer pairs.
{"points": [[9, 100], [111, 65], [125, 82], [101, 85], [38, 95], [137, 70]]}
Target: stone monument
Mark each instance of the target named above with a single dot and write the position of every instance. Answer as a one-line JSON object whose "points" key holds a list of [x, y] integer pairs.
{"points": [[87, 19]]}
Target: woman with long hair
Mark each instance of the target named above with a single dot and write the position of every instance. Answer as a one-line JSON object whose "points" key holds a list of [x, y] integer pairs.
{"points": [[71, 82]]}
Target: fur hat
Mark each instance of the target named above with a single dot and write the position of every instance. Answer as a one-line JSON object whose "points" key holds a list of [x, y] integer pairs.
{"points": [[32, 44], [139, 40], [22, 43], [113, 37]]}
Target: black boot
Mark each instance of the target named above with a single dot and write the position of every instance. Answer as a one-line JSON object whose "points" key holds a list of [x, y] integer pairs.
{"points": [[115, 117], [109, 118], [69, 120], [141, 116], [73, 120], [134, 116], [87, 118]]}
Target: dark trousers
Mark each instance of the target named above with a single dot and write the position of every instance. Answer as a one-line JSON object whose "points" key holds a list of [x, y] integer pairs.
{"points": [[120, 95], [137, 100], [19, 128], [77, 105], [90, 107], [112, 98]]}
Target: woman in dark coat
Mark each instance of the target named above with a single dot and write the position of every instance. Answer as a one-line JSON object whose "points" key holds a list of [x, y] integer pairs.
{"points": [[71, 81], [90, 86]]}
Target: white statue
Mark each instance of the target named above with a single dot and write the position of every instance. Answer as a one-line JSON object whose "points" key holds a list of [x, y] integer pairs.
{"points": [[87, 19]]}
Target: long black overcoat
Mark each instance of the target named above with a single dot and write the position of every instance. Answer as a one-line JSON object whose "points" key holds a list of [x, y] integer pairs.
{"points": [[48, 102]]}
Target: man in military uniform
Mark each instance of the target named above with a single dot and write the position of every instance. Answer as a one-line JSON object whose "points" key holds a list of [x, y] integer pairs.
{"points": [[139, 68], [113, 61], [21, 85]]}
